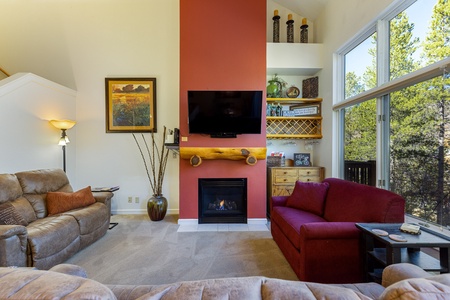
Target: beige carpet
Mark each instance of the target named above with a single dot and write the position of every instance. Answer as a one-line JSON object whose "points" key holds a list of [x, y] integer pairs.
{"points": [[139, 251]]}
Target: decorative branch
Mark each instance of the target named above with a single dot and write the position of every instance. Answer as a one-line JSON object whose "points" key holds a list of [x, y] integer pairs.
{"points": [[145, 162], [157, 159]]}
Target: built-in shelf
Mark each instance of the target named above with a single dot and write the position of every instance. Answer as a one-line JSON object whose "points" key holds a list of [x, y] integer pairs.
{"points": [[298, 59], [304, 127]]}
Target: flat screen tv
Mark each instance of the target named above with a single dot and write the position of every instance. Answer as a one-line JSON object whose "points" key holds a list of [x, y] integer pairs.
{"points": [[225, 113]]}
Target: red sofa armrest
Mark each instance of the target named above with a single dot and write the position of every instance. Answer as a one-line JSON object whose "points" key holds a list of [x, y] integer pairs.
{"points": [[330, 252], [329, 230], [277, 201]]}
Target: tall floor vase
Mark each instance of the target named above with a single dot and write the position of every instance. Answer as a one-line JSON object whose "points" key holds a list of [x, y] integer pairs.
{"points": [[157, 207]]}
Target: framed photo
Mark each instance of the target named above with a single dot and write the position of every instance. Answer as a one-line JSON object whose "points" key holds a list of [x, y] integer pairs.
{"points": [[293, 92], [130, 104], [301, 110], [302, 160]]}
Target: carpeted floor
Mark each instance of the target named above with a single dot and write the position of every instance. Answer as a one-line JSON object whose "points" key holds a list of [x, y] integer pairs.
{"points": [[139, 251]]}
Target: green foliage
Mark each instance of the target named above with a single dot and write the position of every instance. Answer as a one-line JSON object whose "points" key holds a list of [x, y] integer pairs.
{"points": [[437, 42], [360, 131], [353, 85]]}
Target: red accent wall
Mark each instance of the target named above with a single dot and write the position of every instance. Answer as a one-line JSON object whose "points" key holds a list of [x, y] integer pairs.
{"points": [[222, 47]]}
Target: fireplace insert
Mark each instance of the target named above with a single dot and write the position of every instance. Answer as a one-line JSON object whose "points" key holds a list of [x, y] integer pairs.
{"points": [[222, 200]]}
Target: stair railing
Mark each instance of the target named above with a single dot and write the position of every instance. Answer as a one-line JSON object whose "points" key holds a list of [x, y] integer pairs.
{"points": [[4, 72]]}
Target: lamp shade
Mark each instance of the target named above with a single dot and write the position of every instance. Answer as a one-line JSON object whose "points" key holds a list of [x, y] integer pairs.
{"points": [[63, 124]]}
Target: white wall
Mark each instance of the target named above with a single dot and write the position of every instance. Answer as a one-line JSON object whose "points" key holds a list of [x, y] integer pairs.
{"points": [[78, 44], [339, 22], [29, 141]]}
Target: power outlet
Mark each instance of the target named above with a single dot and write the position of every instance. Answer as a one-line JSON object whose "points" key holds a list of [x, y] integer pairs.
{"points": [[130, 199], [136, 199]]}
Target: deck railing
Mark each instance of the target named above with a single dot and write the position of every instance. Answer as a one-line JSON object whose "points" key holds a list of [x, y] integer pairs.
{"points": [[361, 172]]}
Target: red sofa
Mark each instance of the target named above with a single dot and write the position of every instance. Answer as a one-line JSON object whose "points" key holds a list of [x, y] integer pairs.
{"points": [[315, 226]]}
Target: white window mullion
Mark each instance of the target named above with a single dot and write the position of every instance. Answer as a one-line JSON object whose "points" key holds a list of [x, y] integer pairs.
{"points": [[383, 73], [338, 117]]}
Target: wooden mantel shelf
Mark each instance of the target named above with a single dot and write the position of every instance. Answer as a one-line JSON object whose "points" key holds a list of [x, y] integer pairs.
{"points": [[197, 154]]}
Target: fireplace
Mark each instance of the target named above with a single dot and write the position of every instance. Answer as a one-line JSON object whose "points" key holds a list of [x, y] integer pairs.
{"points": [[222, 200]]}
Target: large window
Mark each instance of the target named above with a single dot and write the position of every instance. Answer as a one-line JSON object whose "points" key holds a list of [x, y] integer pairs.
{"points": [[395, 107]]}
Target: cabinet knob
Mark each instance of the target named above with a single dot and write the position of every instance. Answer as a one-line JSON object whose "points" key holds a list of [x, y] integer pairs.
{"points": [[308, 172]]}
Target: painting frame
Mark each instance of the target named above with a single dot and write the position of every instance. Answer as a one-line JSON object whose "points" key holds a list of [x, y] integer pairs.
{"points": [[130, 104], [303, 159]]}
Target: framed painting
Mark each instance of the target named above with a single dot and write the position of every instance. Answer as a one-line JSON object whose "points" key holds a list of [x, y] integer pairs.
{"points": [[302, 110], [302, 160], [130, 104]]}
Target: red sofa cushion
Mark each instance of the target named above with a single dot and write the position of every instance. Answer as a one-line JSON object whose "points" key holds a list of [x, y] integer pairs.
{"points": [[354, 202], [291, 219], [308, 196]]}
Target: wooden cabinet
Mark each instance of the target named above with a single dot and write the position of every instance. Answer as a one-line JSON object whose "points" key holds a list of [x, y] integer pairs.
{"points": [[283, 127], [281, 180]]}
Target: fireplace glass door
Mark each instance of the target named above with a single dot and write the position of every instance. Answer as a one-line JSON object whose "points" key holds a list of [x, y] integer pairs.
{"points": [[222, 200]]}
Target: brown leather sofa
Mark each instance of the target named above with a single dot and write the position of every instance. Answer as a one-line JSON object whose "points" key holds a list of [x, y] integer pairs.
{"points": [[33, 238], [400, 281]]}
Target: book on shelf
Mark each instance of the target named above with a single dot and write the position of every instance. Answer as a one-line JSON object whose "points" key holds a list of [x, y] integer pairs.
{"points": [[105, 189]]}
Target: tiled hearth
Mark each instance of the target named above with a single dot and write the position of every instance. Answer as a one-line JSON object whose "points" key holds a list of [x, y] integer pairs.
{"points": [[222, 227]]}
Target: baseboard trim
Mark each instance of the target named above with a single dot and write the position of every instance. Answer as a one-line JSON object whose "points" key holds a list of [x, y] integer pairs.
{"points": [[139, 211]]}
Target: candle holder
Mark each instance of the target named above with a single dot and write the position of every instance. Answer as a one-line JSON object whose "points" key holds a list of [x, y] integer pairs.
{"points": [[276, 27], [304, 32], [290, 30]]}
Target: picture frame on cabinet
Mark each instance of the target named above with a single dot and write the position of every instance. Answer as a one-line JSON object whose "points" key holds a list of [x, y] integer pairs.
{"points": [[130, 105], [302, 159]]}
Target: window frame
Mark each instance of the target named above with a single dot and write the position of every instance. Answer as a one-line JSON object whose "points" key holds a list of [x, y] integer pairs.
{"points": [[381, 92]]}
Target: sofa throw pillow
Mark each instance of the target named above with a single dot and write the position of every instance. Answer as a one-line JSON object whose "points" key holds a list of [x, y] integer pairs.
{"points": [[10, 216], [59, 202], [309, 196]]}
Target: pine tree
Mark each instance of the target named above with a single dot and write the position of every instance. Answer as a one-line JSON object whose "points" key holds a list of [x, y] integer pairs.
{"points": [[437, 47]]}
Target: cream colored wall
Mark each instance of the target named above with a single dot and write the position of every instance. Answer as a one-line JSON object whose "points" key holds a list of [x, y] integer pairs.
{"points": [[78, 44], [28, 141], [338, 23]]}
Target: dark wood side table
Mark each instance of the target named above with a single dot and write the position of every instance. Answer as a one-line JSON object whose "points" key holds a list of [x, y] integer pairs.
{"points": [[381, 251], [107, 189]]}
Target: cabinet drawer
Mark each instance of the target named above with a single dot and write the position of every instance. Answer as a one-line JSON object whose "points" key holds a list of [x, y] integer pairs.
{"points": [[285, 179], [309, 172], [309, 178], [286, 172]]}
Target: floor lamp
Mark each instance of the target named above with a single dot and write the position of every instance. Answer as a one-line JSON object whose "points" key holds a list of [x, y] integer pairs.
{"points": [[64, 140]]}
